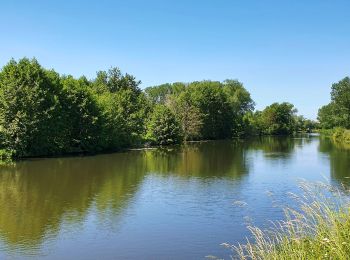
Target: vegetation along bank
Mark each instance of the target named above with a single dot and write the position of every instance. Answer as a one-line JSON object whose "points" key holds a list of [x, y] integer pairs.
{"points": [[43, 113], [334, 118]]}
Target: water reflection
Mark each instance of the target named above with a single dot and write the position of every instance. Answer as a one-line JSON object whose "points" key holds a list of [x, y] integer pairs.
{"points": [[277, 147], [40, 198], [36, 196], [202, 160], [339, 160]]}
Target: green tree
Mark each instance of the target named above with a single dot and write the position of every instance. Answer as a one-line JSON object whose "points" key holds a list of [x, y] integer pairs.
{"points": [[29, 101], [337, 112], [160, 94], [114, 80], [210, 99], [278, 119], [82, 116], [304, 125], [328, 116], [163, 128], [340, 96], [189, 116], [124, 107], [241, 104]]}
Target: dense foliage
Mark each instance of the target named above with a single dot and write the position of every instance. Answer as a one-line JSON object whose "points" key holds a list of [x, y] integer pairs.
{"points": [[337, 112], [334, 118], [205, 109], [278, 119], [44, 113]]}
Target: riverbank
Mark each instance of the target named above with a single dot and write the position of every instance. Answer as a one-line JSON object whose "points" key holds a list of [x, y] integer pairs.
{"points": [[112, 200], [340, 136], [318, 229], [7, 157]]}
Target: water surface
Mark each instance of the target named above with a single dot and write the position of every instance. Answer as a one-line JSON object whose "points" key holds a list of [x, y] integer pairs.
{"points": [[177, 202]]}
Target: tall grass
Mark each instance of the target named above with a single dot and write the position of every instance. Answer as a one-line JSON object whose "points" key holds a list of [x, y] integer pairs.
{"points": [[317, 228], [341, 135]]}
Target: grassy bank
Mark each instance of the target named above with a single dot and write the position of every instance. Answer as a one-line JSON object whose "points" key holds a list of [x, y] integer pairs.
{"points": [[338, 134], [341, 135], [318, 229]]}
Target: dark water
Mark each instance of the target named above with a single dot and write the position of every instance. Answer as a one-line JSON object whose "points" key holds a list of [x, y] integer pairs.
{"points": [[156, 204]]}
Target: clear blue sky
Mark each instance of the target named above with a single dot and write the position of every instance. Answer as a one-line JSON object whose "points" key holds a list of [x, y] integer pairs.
{"points": [[281, 50]]}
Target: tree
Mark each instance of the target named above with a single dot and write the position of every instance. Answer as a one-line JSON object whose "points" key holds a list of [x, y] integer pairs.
{"points": [[206, 109], [210, 99], [125, 114], [160, 94], [28, 105], [328, 116], [340, 96], [82, 116], [241, 104], [113, 80], [189, 116], [124, 108], [337, 112], [162, 127], [278, 119]]}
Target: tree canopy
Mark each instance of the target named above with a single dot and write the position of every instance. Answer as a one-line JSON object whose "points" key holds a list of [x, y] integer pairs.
{"points": [[337, 112], [44, 113]]}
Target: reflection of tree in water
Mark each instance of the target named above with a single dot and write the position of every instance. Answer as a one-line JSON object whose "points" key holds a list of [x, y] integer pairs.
{"points": [[339, 159], [203, 160], [36, 196], [280, 147]]}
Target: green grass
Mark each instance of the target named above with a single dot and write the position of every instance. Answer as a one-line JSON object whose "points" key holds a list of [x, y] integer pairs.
{"points": [[319, 228]]}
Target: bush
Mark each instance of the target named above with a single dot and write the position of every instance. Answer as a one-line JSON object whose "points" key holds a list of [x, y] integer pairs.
{"points": [[6, 155], [341, 135]]}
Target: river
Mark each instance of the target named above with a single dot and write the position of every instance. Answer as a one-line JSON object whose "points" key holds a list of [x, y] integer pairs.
{"points": [[179, 202]]}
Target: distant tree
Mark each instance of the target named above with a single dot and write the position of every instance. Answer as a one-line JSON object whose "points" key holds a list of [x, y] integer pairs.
{"points": [[241, 104], [238, 96], [82, 116], [210, 99], [124, 108], [189, 116], [341, 98], [113, 80], [160, 94], [43, 113], [278, 118], [328, 116], [162, 127], [304, 125], [132, 108], [207, 109], [337, 112]]}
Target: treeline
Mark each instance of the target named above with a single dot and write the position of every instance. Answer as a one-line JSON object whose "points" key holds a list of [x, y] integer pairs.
{"points": [[334, 118], [44, 113]]}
